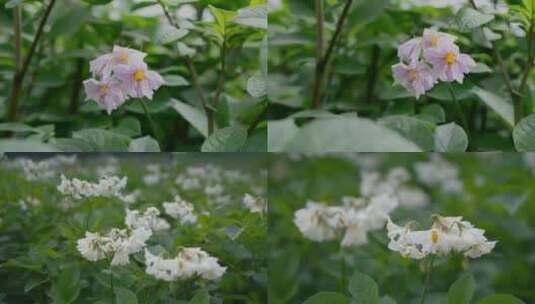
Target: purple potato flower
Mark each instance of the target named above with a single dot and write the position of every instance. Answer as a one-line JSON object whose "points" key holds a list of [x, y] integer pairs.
{"points": [[433, 39], [449, 64], [103, 66], [416, 77], [106, 93], [410, 51], [137, 80]]}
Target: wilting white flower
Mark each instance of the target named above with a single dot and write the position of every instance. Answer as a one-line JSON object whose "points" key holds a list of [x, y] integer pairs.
{"points": [[181, 209], [190, 262], [313, 222], [255, 204], [439, 172], [447, 235], [106, 187], [118, 245], [149, 220], [131, 197]]}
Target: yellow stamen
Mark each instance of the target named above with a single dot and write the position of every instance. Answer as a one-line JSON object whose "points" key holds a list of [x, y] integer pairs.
{"points": [[104, 89], [434, 41], [413, 74], [123, 57], [434, 237], [139, 75], [450, 58]]}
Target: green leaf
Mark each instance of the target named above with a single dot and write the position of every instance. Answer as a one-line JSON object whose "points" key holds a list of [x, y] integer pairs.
{"points": [[413, 129], [387, 300], [144, 144], [280, 132], [202, 297], [193, 115], [66, 288], [450, 138], [257, 86], [129, 126], [253, 16], [433, 113], [364, 289], [462, 291], [102, 140], [125, 296], [175, 81], [524, 134], [468, 19], [13, 3], [496, 103], [327, 297], [19, 145], [500, 299], [348, 135], [229, 139], [367, 11], [257, 142]]}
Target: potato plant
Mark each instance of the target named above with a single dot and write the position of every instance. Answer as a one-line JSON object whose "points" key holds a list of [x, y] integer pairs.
{"points": [[103, 75], [401, 75], [144, 228], [401, 228]]}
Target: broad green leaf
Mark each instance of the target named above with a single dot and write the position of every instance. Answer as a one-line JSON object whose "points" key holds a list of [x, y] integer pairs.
{"points": [[498, 104], [413, 129], [194, 116], [144, 144], [13, 3], [433, 113], [20, 145], [327, 297], [462, 291], [202, 297], [468, 19], [66, 288], [17, 127], [387, 300], [71, 145], [366, 11], [229, 139], [500, 299], [257, 142], [129, 126], [450, 138], [125, 296], [363, 289], [253, 16], [102, 140], [524, 134], [175, 81], [280, 132], [256, 86], [348, 135]]}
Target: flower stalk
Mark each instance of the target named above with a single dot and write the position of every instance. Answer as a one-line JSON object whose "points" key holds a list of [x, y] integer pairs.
{"points": [[153, 127], [458, 108], [427, 279]]}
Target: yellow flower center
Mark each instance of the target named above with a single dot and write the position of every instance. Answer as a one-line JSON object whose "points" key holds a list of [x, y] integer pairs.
{"points": [[104, 89], [434, 237], [123, 57], [450, 58], [413, 74], [434, 41], [139, 75]]}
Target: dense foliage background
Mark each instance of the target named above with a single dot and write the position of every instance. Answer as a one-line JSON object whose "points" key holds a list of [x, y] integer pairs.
{"points": [[52, 113], [358, 80], [39, 227], [497, 197]]}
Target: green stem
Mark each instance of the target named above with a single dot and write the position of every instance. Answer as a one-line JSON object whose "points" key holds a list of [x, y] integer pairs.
{"points": [[458, 108], [111, 285], [154, 130], [427, 279]]}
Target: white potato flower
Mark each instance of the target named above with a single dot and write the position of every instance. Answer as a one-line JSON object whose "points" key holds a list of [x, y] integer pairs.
{"points": [[439, 173], [255, 204], [108, 186], [313, 222], [447, 235], [181, 210], [149, 219]]}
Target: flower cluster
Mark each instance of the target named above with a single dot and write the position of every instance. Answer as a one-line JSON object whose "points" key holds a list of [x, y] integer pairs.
{"points": [[109, 186], [255, 204], [118, 244], [188, 263], [44, 169], [439, 173], [120, 75], [447, 235], [150, 219], [181, 210], [426, 60]]}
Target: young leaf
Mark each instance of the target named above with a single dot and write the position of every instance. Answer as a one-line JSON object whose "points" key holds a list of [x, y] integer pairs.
{"points": [[229, 139], [364, 289], [125, 296], [327, 297], [66, 288], [462, 291], [468, 18], [524, 134], [202, 297], [193, 115], [144, 144]]}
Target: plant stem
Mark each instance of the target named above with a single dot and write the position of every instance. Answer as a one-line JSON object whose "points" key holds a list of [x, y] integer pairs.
{"points": [[529, 64], [18, 77], [372, 74], [427, 279], [320, 19], [111, 285], [322, 64], [458, 108], [200, 94], [154, 130], [221, 81]]}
